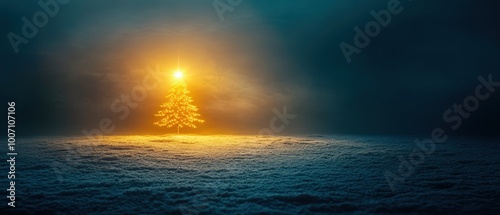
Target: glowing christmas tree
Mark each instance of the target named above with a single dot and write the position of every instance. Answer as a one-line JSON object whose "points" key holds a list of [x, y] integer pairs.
{"points": [[178, 110]]}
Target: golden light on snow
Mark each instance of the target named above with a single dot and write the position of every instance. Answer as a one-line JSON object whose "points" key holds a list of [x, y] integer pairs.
{"points": [[189, 146]]}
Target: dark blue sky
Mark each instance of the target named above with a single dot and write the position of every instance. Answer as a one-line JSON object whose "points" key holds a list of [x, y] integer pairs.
{"points": [[263, 55]]}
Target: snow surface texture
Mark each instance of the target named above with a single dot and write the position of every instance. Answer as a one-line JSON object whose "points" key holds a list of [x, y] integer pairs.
{"points": [[252, 175]]}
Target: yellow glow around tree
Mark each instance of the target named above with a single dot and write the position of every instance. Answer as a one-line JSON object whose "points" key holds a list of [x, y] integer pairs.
{"points": [[178, 110], [178, 74]]}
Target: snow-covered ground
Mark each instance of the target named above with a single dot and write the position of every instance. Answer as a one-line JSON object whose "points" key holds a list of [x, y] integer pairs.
{"points": [[191, 174]]}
